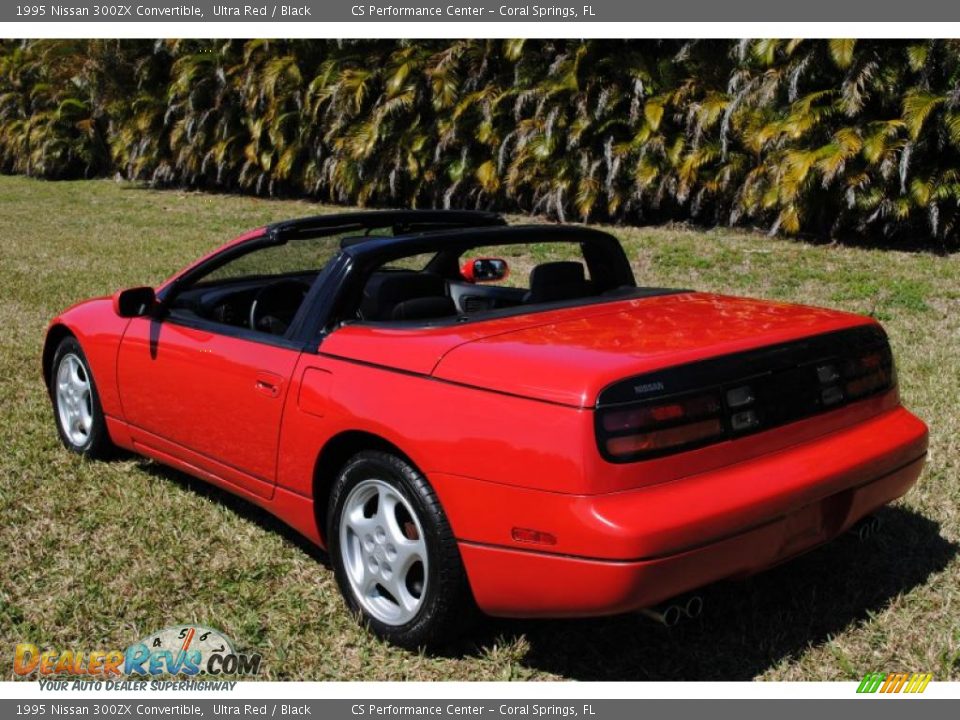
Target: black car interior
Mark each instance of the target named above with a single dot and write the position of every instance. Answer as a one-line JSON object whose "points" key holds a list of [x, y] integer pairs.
{"points": [[269, 301], [553, 281], [426, 295], [393, 292], [263, 304], [405, 295], [270, 304]]}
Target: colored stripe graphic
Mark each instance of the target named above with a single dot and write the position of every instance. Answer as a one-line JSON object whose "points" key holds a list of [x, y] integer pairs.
{"points": [[888, 683]]}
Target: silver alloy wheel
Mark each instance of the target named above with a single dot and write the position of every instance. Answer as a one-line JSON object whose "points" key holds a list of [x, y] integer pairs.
{"points": [[384, 552], [74, 400]]}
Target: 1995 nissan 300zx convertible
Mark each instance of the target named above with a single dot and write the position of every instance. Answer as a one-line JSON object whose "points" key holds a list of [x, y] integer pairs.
{"points": [[554, 442]]}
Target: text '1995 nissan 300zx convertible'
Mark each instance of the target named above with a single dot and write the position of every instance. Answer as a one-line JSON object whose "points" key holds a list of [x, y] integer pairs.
{"points": [[555, 442]]}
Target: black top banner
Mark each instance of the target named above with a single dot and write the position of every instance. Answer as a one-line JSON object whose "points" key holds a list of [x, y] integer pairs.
{"points": [[412, 11]]}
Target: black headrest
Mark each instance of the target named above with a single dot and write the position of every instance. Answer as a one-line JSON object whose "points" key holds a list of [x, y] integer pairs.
{"points": [[385, 290], [425, 308], [557, 281]]}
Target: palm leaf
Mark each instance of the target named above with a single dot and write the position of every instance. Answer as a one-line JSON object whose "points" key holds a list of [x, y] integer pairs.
{"points": [[841, 51]]}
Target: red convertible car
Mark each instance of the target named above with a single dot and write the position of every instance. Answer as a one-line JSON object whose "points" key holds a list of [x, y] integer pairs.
{"points": [[558, 441]]}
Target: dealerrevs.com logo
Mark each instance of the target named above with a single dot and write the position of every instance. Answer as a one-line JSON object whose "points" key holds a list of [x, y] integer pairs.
{"points": [[178, 650]]}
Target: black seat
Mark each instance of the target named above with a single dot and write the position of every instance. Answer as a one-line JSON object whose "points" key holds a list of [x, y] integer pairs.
{"points": [[565, 280], [425, 308], [389, 293]]}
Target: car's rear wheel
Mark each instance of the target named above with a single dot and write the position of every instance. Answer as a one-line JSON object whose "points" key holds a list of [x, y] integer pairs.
{"points": [[394, 556], [76, 404]]}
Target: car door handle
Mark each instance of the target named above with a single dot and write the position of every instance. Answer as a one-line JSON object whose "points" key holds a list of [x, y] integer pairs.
{"points": [[268, 384]]}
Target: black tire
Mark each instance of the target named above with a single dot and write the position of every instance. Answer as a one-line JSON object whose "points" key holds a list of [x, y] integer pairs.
{"points": [[446, 608], [97, 443]]}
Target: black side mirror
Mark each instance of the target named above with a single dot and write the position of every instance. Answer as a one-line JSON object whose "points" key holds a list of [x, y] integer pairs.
{"points": [[134, 302]]}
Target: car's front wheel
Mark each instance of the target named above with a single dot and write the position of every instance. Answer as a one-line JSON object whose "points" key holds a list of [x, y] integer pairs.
{"points": [[76, 404], [394, 556]]}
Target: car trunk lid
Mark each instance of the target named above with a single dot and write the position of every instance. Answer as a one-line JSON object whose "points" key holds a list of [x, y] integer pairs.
{"points": [[571, 356]]}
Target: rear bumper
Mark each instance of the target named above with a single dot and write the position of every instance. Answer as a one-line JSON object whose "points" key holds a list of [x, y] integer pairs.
{"points": [[627, 550]]}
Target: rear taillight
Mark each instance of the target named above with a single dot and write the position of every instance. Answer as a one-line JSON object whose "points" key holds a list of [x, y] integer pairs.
{"points": [[658, 427], [679, 411], [665, 439], [868, 373], [864, 373], [801, 380]]}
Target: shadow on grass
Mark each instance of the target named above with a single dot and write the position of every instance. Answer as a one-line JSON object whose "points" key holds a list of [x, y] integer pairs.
{"points": [[750, 625], [747, 626], [244, 508]]}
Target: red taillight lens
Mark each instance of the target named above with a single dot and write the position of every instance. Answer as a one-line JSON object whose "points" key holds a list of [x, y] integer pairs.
{"points": [[863, 364], [627, 445], [649, 429], [615, 421], [867, 374], [869, 383]]}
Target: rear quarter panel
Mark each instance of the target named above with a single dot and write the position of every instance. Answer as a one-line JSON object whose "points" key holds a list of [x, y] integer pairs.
{"points": [[443, 427], [522, 415]]}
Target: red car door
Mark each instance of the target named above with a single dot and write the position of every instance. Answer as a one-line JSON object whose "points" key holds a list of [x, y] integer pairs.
{"points": [[211, 400]]}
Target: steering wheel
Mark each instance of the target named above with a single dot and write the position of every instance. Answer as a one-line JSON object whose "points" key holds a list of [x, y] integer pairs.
{"points": [[275, 305]]}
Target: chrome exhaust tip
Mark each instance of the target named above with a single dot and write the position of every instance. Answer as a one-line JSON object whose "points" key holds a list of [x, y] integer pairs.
{"points": [[667, 615], [671, 615], [693, 607], [867, 528]]}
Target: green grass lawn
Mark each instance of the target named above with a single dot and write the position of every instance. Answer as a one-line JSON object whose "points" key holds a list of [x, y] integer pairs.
{"points": [[96, 555]]}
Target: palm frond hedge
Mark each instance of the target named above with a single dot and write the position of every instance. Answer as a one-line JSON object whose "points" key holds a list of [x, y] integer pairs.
{"points": [[836, 138]]}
